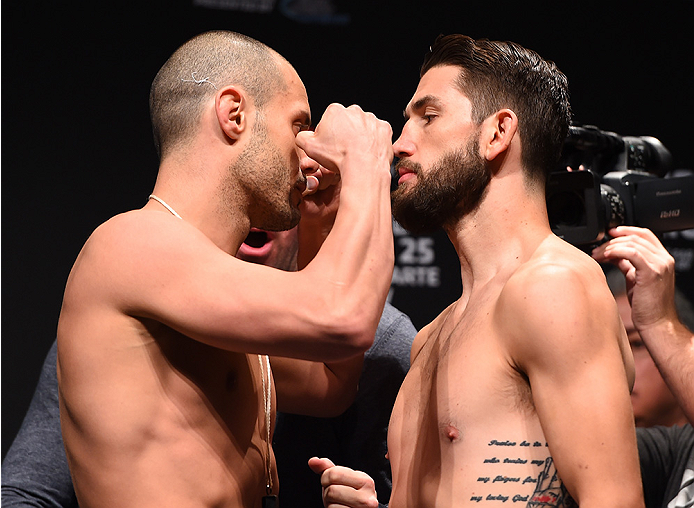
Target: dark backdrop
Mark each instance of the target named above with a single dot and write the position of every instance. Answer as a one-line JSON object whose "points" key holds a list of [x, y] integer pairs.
{"points": [[77, 145]]}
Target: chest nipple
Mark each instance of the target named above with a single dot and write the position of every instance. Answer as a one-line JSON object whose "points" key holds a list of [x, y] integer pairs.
{"points": [[451, 433], [231, 381]]}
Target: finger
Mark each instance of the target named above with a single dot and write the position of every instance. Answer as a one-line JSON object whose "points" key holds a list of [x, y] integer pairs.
{"points": [[305, 140], [627, 269], [634, 230], [648, 246], [640, 267], [632, 248], [642, 236], [340, 475], [640, 251], [328, 178], [319, 465], [618, 252], [338, 496], [324, 176], [312, 184]]}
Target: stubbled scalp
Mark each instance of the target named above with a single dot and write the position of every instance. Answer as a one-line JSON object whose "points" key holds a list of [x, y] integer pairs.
{"points": [[198, 81], [203, 65]]}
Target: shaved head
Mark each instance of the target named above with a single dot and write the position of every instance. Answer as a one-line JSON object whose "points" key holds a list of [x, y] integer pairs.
{"points": [[200, 67]]}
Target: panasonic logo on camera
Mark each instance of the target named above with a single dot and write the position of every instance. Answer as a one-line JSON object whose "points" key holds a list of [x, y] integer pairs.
{"points": [[660, 194]]}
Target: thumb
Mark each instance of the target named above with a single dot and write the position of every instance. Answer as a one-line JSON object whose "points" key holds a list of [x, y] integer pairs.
{"points": [[319, 465], [312, 184], [305, 138], [316, 149]]}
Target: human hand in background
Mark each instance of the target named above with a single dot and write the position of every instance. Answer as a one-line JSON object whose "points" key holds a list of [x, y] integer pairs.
{"points": [[344, 487], [649, 270]]}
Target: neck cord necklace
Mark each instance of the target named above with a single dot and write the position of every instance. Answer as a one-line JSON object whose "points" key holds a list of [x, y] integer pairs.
{"points": [[163, 203], [269, 500]]}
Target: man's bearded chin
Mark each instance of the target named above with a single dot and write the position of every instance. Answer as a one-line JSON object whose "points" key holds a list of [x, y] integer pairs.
{"points": [[450, 189]]}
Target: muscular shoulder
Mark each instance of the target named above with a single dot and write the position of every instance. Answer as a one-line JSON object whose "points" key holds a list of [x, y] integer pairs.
{"points": [[557, 300], [141, 237], [129, 252], [555, 280], [142, 229]]}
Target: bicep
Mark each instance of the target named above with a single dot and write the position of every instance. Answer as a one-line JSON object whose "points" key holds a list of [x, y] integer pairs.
{"points": [[230, 304], [175, 275], [569, 349]]}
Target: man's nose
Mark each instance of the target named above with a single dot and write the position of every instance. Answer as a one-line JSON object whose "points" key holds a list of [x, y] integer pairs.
{"points": [[403, 147]]}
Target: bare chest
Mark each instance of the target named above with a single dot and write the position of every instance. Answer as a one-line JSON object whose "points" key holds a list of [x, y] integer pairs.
{"points": [[188, 414], [220, 387], [228, 403], [464, 417], [462, 372]]}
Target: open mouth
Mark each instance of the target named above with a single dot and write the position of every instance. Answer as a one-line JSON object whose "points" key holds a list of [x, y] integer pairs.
{"points": [[256, 247], [256, 239]]}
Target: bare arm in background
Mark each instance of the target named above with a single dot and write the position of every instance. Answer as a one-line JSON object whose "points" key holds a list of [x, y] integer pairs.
{"points": [[650, 276]]}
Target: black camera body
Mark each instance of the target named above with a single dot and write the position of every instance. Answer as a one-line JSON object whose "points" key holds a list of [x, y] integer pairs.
{"points": [[621, 184]]}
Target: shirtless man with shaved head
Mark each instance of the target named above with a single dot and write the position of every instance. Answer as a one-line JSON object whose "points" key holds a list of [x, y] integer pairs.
{"points": [[166, 393]]}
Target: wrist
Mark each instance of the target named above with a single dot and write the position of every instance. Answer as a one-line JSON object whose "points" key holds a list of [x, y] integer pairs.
{"points": [[377, 170], [668, 328]]}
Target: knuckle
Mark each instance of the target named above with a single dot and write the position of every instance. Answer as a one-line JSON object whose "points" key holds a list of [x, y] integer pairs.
{"points": [[329, 493], [369, 482]]}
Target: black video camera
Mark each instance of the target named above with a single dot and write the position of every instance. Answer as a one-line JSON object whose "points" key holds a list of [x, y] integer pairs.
{"points": [[622, 184]]}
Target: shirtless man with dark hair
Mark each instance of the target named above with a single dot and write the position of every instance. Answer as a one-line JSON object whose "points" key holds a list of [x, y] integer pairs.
{"points": [[166, 393], [518, 392]]}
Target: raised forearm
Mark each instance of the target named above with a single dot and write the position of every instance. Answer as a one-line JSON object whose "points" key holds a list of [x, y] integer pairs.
{"points": [[353, 268], [355, 263]]}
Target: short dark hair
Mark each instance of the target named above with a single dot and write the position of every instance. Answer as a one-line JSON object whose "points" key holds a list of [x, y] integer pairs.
{"points": [[197, 69], [496, 75]]}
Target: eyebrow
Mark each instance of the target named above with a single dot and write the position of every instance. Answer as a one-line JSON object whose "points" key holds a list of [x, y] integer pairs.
{"points": [[421, 103], [306, 118], [302, 115]]}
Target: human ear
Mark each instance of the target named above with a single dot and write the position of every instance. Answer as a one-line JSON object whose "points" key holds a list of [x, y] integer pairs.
{"points": [[498, 131], [231, 107]]}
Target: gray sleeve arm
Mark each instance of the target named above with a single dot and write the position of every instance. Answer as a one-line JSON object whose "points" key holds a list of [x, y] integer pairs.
{"points": [[35, 471]]}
